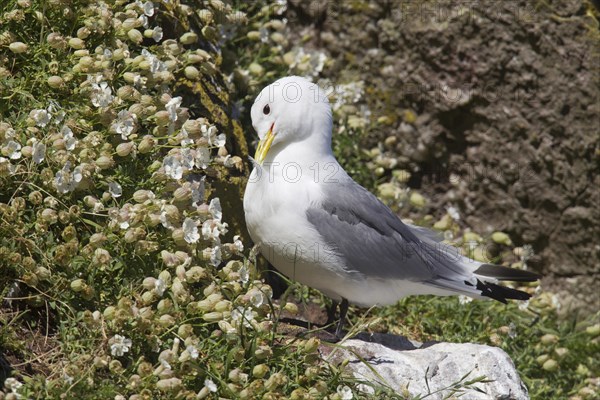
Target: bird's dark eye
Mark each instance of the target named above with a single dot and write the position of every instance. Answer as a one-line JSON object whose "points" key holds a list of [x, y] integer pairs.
{"points": [[266, 109]]}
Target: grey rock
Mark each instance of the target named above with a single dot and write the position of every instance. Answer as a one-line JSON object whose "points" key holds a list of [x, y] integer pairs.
{"points": [[433, 368]]}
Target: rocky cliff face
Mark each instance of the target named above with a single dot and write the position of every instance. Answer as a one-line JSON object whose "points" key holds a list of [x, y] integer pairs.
{"points": [[494, 107]]}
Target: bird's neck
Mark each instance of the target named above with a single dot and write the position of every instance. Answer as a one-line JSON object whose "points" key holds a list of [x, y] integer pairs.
{"points": [[315, 149]]}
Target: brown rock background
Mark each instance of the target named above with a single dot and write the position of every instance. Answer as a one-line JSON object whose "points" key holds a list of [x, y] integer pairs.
{"points": [[506, 100]]}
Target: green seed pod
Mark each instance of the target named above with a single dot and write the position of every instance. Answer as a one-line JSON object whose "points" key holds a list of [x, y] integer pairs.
{"points": [[260, 370], [124, 149], [417, 200], [18, 47], [76, 43], [213, 316], [135, 36], [311, 345], [291, 308], [188, 38], [191, 72], [501, 238], [78, 285], [55, 82], [550, 365], [549, 339], [105, 162]]}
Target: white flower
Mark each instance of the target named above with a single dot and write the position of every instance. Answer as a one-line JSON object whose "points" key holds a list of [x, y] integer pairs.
{"points": [[215, 208], [523, 305], [157, 34], [197, 192], [172, 106], [187, 159], [14, 150], [344, 392], [202, 157], [65, 181], [155, 64], [241, 314], [220, 140], [115, 189], [453, 213], [124, 124], [190, 231], [41, 117], [173, 167], [210, 385], [210, 232], [165, 363], [193, 352], [6, 166], [237, 244], [258, 298], [68, 138], [77, 174], [101, 94], [527, 252], [12, 384], [68, 378], [244, 274], [215, 256], [148, 8], [184, 138], [164, 220], [210, 133], [10, 134], [39, 152], [464, 299], [120, 345], [159, 287]]}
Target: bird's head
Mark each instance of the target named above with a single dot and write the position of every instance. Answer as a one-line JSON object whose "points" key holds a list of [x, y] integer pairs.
{"points": [[291, 109]]}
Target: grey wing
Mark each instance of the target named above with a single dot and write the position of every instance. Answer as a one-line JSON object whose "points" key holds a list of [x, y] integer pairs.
{"points": [[373, 241]]}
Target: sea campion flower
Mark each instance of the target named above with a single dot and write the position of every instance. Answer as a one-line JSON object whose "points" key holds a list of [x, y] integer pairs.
{"points": [[101, 94], [173, 167], [215, 209], [157, 34], [124, 125], [210, 385], [344, 392], [193, 352], [159, 287], [243, 315], [197, 192], [65, 181], [115, 189], [120, 345], [453, 213], [68, 138], [202, 157], [41, 117], [155, 64], [172, 106], [14, 150], [39, 152], [190, 231]]}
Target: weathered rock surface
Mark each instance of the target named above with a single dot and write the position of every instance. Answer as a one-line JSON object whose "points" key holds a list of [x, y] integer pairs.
{"points": [[433, 369]]}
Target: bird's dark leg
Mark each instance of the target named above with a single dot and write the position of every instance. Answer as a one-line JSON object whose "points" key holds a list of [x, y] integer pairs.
{"points": [[331, 312], [343, 312]]}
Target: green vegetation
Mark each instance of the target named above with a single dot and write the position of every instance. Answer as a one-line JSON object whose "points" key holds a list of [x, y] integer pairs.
{"points": [[121, 274]]}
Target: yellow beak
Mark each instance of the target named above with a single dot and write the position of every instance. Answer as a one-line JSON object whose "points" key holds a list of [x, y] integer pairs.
{"points": [[264, 145]]}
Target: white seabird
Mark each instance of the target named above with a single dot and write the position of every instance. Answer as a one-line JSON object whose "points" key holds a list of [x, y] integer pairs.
{"points": [[319, 227]]}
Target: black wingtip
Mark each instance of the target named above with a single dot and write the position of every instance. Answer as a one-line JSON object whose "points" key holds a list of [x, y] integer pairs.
{"points": [[501, 293], [507, 274]]}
